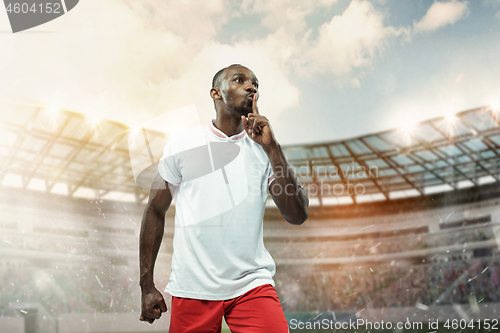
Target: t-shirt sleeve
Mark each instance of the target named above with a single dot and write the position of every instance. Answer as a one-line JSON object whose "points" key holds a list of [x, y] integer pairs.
{"points": [[270, 174], [168, 166]]}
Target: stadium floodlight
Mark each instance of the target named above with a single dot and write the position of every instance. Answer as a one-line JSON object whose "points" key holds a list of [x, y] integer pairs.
{"points": [[495, 106], [407, 128], [136, 131], [451, 123], [51, 114], [406, 131], [451, 116], [493, 101], [94, 120], [52, 110]]}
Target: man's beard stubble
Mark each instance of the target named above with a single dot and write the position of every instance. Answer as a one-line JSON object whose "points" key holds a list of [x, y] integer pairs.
{"points": [[243, 110]]}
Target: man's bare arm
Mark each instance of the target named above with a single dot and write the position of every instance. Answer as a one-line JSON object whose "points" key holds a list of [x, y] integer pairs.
{"points": [[152, 229], [290, 197]]}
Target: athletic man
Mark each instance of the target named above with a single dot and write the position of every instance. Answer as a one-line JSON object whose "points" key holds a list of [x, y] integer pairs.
{"points": [[220, 266]]}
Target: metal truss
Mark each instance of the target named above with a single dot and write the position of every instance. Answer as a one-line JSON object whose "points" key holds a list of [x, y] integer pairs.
{"points": [[437, 155], [66, 147]]}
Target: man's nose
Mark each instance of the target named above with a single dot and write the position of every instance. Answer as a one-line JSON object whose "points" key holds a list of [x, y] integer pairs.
{"points": [[251, 88]]}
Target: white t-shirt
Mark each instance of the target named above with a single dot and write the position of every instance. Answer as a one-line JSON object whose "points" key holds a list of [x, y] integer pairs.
{"points": [[218, 249]]}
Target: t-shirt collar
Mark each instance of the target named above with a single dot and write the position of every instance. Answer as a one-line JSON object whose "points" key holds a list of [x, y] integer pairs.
{"points": [[221, 135]]}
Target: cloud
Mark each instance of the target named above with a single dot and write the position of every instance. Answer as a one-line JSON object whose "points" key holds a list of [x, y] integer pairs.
{"points": [[288, 15], [135, 60], [464, 82], [264, 57], [350, 42], [441, 14], [194, 21]]}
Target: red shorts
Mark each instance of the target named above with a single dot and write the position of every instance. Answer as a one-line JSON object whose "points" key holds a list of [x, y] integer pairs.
{"points": [[259, 310]]}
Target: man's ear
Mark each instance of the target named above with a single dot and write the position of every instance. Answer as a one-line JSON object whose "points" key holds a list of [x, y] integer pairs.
{"points": [[215, 94]]}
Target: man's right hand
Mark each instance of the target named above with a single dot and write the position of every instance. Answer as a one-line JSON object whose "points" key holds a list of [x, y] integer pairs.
{"points": [[153, 305]]}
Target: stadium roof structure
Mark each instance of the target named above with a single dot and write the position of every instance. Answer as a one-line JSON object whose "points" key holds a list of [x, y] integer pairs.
{"points": [[63, 147], [437, 155], [441, 154]]}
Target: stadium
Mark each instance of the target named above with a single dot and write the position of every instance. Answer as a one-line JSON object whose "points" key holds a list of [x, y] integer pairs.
{"points": [[402, 225]]}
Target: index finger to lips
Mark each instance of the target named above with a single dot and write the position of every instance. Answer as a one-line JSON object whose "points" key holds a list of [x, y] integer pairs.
{"points": [[254, 104]]}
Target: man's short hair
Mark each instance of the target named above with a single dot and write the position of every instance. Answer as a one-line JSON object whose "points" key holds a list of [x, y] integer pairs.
{"points": [[216, 81]]}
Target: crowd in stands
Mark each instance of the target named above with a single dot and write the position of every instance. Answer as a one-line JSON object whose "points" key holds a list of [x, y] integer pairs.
{"points": [[352, 288], [101, 287], [34, 242], [97, 287], [365, 247], [24, 285], [64, 244], [105, 288]]}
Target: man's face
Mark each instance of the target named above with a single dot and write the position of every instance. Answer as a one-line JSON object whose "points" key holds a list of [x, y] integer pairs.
{"points": [[238, 87]]}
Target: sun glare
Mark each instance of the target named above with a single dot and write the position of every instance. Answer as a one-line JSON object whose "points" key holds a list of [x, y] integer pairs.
{"points": [[493, 101], [136, 131], [53, 110], [495, 106], [450, 116], [407, 128], [93, 119]]}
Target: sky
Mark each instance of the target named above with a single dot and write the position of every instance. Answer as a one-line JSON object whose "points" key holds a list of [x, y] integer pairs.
{"points": [[328, 69]]}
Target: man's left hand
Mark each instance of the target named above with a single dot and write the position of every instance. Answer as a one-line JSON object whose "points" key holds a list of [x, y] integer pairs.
{"points": [[257, 126]]}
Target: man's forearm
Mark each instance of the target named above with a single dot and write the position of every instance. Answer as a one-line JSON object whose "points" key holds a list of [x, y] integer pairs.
{"points": [[291, 198], [152, 228]]}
